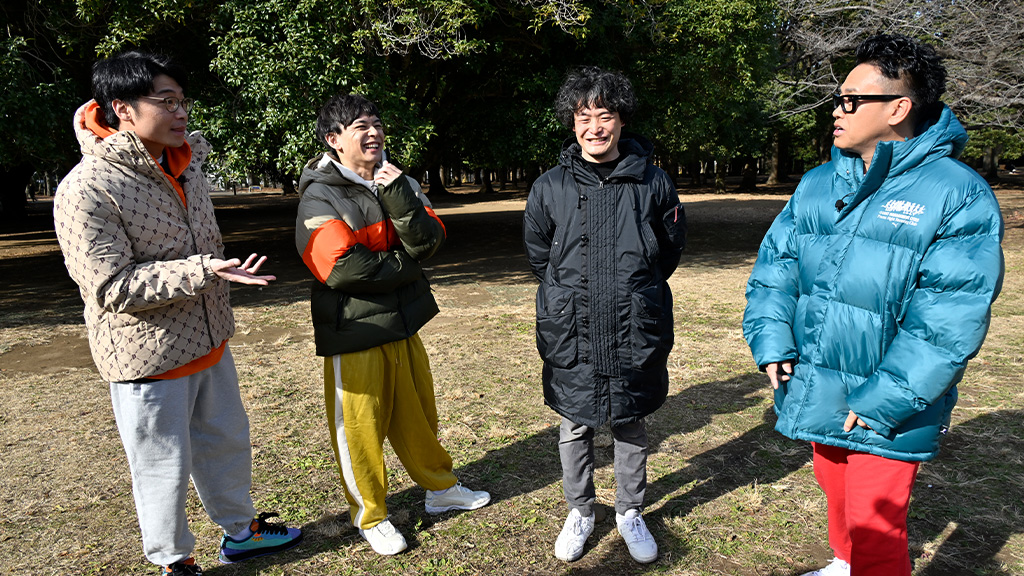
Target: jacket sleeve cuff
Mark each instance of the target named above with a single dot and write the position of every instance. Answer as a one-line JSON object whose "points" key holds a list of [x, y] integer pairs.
{"points": [[205, 262]]}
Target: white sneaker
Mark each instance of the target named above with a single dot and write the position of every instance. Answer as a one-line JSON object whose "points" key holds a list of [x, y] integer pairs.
{"points": [[384, 538], [577, 528], [835, 568], [457, 497], [641, 544]]}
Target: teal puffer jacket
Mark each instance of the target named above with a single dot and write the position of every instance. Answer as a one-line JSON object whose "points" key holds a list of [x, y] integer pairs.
{"points": [[879, 286]]}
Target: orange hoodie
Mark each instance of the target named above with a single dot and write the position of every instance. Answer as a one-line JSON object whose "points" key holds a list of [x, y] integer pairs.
{"points": [[177, 160]]}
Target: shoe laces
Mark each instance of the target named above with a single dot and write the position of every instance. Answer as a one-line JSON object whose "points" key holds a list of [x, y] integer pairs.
{"points": [[577, 524], [637, 528], [261, 527]]}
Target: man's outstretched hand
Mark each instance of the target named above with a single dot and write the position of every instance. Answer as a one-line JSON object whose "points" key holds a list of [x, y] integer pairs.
{"points": [[235, 271]]}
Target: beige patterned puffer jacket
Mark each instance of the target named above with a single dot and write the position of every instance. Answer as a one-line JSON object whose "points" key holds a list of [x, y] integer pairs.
{"points": [[140, 258]]}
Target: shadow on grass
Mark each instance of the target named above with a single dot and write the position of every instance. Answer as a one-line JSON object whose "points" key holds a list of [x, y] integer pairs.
{"points": [[975, 487], [971, 484], [533, 463]]}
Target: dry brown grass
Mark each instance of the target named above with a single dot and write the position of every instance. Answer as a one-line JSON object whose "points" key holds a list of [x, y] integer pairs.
{"points": [[727, 494]]}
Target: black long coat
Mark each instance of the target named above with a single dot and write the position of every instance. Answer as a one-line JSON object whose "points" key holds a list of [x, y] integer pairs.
{"points": [[603, 251]]}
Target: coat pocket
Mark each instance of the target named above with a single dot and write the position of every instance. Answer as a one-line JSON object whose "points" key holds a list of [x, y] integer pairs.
{"points": [[557, 336], [650, 326]]}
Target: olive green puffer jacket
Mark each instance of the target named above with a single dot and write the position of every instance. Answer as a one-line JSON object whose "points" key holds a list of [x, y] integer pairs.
{"points": [[364, 246]]}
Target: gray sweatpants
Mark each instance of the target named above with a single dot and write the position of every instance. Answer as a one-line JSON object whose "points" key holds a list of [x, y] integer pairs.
{"points": [[576, 449], [172, 429]]}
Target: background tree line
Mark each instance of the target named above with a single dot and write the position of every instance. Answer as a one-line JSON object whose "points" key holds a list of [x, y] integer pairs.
{"points": [[467, 85]]}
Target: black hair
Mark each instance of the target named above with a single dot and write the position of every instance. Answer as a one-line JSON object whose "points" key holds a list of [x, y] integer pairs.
{"points": [[592, 87], [129, 75], [918, 66], [340, 111]]}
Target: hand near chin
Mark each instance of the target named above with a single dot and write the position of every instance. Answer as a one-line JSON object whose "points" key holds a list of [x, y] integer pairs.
{"points": [[387, 174]]}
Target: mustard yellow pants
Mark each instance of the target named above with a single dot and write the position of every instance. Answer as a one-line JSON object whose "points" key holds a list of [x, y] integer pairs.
{"points": [[383, 392]]}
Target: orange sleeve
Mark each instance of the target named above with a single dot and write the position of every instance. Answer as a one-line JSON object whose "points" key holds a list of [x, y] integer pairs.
{"points": [[327, 243], [435, 217]]}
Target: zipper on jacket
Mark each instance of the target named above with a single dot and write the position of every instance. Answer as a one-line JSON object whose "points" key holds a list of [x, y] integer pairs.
{"points": [[387, 220], [162, 177]]}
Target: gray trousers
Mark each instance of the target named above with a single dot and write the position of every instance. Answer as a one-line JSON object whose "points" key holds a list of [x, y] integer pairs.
{"points": [[576, 449], [173, 429]]}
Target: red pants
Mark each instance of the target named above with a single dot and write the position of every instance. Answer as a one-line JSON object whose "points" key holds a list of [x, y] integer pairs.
{"points": [[868, 497]]}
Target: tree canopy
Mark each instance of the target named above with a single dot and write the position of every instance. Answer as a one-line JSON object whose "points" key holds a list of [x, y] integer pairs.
{"points": [[469, 83]]}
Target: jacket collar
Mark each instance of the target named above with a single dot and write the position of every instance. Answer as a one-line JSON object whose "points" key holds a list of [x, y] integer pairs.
{"points": [[940, 137], [636, 153], [124, 147]]}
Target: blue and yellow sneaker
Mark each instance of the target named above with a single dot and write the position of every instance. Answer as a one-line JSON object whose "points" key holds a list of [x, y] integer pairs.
{"points": [[263, 539]]}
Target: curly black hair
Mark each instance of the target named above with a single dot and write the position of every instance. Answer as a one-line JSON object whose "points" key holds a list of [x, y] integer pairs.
{"points": [[339, 112], [592, 87], [916, 64]]}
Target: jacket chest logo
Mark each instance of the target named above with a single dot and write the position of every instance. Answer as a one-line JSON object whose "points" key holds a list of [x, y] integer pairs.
{"points": [[898, 212]]}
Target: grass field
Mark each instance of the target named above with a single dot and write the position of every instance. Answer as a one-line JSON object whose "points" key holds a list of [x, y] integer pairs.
{"points": [[726, 495]]}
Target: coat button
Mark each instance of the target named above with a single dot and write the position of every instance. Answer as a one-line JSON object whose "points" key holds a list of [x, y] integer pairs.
{"points": [[584, 239], [585, 360], [583, 280]]}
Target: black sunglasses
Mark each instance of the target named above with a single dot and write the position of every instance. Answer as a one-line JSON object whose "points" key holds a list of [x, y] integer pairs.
{"points": [[849, 102]]}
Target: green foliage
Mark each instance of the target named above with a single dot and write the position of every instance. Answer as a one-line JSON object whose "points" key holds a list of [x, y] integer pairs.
{"points": [[1008, 144], [703, 82], [34, 113], [280, 60]]}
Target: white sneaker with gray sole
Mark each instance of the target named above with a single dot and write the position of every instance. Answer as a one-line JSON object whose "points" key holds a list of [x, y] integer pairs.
{"points": [[574, 534], [457, 497], [641, 544], [384, 538]]}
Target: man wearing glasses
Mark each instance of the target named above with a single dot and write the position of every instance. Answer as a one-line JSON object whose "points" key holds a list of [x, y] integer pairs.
{"points": [[870, 293], [136, 225]]}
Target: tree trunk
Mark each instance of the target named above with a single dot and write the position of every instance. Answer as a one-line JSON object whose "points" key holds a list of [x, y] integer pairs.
{"points": [[748, 180], [483, 177], [990, 163], [720, 168], [287, 186], [13, 181], [695, 170], [437, 186], [778, 162], [532, 173]]}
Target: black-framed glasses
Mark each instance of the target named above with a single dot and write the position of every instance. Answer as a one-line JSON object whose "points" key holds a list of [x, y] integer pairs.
{"points": [[849, 102], [172, 103]]}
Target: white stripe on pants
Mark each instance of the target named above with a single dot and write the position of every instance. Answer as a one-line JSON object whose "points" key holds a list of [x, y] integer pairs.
{"points": [[173, 429]]}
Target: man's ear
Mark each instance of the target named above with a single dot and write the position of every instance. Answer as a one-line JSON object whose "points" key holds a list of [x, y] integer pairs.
{"points": [[901, 111], [333, 140], [123, 110]]}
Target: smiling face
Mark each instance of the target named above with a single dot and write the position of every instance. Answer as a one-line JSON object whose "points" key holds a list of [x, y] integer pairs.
{"points": [[597, 132], [150, 120], [360, 145], [860, 132]]}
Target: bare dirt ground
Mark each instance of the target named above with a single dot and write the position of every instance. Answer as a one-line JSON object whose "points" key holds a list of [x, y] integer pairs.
{"points": [[484, 244], [726, 494]]}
